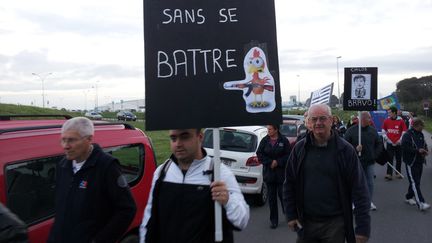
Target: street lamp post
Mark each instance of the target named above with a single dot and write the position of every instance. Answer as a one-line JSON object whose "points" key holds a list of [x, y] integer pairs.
{"points": [[96, 96], [42, 78], [85, 99], [298, 97], [337, 70]]}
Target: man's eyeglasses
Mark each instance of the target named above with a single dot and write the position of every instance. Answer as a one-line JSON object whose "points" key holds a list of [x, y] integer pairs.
{"points": [[65, 141], [314, 119]]}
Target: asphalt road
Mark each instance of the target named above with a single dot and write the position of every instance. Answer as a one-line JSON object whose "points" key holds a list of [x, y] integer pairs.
{"points": [[393, 222]]}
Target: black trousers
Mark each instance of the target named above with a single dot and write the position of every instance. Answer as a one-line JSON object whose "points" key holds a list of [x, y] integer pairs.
{"points": [[274, 190], [414, 174], [329, 230], [394, 151]]}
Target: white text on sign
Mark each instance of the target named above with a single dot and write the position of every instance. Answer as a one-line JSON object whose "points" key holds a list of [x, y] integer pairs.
{"points": [[197, 16]]}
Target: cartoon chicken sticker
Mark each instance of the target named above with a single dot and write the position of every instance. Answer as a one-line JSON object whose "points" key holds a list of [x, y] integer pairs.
{"points": [[258, 82]]}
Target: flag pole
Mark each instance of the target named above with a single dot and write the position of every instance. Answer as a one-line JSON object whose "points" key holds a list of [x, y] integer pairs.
{"points": [[217, 177], [395, 169]]}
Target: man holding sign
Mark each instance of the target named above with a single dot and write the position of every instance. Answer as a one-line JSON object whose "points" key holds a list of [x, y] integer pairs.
{"points": [[181, 203], [369, 149]]}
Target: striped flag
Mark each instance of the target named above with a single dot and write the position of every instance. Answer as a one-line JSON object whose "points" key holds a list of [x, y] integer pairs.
{"points": [[322, 96]]}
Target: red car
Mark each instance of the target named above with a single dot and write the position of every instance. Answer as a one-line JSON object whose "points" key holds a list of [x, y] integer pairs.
{"points": [[30, 150], [291, 129]]}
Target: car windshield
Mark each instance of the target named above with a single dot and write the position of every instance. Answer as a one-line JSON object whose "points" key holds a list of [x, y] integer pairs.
{"points": [[232, 141], [288, 130]]}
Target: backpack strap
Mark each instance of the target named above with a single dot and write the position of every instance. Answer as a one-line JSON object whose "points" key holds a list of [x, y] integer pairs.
{"points": [[211, 168], [163, 171]]}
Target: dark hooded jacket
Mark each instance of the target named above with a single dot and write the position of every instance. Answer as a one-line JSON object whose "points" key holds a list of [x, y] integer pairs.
{"points": [[371, 143], [280, 152], [412, 141]]}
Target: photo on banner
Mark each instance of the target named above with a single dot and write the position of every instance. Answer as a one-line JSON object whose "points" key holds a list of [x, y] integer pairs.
{"points": [[210, 64], [360, 88]]}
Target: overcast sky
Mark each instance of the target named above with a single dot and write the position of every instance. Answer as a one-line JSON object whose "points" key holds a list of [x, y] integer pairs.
{"points": [[86, 44]]}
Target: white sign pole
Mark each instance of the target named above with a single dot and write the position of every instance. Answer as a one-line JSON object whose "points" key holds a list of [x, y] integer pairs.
{"points": [[217, 177], [359, 129]]}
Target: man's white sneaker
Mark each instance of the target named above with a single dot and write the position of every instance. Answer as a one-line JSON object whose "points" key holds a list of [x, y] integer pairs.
{"points": [[424, 206], [373, 207], [411, 201]]}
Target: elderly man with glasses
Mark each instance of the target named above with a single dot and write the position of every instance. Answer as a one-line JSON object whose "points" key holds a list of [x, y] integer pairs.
{"points": [[324, 179], [93, 200]]}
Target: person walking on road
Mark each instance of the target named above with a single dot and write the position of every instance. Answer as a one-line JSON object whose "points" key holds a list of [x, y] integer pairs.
{"points": [[393, 129], [369, 149], [180, 207], [273, 153], [93, 202], [414, 151], [324, 179]]}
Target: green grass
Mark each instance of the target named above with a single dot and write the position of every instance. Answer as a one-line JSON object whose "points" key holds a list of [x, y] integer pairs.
{"points": [[428, 123], [7, 109], [159, 140]]}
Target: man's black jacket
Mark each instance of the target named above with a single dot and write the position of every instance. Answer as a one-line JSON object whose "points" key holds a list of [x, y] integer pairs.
{"points": [[412, 141], [93, 205], [352, 186], [370, 140]]}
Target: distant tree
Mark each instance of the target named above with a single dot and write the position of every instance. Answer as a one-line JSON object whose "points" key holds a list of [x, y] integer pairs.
{"points": [[414, 89], [413, 92], [334, 101]]}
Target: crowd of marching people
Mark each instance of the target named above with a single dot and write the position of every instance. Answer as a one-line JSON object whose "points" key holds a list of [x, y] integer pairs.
{"points": [[325, 183], [329, 176]]}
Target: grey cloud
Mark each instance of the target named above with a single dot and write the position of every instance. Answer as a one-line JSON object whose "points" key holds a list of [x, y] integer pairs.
{"points": [[419, 60], [17, 70], [85, 25]]}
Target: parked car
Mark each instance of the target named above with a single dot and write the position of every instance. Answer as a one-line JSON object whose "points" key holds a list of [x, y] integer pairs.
{"points": [[126, 116], [291, 129], [238, 148], [93, 115], [293, 117], [30, 150]]}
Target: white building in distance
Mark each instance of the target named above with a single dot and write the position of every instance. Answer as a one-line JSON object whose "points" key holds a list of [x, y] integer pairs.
{"points": [[128, 105]]}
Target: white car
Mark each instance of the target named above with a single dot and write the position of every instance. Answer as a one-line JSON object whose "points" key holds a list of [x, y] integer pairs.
{"points": [[93, 115], [238, 148]]}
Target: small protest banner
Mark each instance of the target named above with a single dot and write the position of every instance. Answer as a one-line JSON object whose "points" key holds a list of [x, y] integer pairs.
{"points": [[360, 89], [390, 100]]}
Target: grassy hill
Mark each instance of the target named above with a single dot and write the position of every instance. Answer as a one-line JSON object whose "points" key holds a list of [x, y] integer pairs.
{"points": [[8, 109]]}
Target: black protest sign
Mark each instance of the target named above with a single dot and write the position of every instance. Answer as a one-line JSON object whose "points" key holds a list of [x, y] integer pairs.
{"points": [[360, 89], [210, 63]]}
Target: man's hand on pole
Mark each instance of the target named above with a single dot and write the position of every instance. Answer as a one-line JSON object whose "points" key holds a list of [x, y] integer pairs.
{"points": [[219, 192]]}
